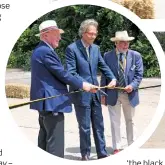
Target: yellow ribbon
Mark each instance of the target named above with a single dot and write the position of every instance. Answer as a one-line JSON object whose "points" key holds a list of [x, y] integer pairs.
{"points": [[42, 99]]}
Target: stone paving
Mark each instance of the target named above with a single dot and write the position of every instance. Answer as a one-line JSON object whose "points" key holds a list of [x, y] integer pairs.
{"points": [[27, 120]]}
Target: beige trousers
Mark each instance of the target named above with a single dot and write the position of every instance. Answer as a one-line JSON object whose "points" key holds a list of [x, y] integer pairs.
{"points": [[115, 119]]}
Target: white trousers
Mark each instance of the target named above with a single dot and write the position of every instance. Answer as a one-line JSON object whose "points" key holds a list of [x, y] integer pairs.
{"points": [[115, 118]]}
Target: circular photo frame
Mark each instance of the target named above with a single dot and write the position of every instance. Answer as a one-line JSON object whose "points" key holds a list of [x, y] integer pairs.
{"points": [[150, 36]]}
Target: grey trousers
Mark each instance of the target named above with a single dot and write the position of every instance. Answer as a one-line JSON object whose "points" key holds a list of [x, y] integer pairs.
{"points": [[115, 117]]}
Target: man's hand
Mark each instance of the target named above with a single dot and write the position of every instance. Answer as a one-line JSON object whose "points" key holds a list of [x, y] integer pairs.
{"points": [[103, 100], [89, 87], [86, 86], [128, 88], [94, 88], [112, 84]]}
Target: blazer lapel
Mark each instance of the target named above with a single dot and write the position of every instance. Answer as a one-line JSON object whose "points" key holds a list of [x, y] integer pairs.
{"points": [[82, 49], [128, 62], [52, 50], [91, 58], [115, 63]]}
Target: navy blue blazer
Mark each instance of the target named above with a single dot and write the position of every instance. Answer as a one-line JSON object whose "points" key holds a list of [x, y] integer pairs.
{"points": [[80, 66], [48, 78], [133, 75]]}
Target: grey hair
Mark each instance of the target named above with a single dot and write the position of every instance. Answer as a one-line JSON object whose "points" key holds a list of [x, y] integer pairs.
{"points": [[85, 24]]}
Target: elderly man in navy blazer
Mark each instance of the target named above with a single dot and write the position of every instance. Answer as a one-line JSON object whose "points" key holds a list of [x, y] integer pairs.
{"points": [[48, 78], [127, 66], [83, 59]]}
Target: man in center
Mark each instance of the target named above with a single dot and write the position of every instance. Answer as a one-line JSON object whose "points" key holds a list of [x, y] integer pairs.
{"points": [[83, 58]]}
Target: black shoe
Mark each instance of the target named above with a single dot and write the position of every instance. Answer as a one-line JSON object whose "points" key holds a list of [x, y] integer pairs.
{"points": [[85, 158], [104, 156]]}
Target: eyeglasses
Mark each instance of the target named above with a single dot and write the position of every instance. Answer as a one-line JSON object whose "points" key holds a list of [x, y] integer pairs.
{"points": [[92, 34], [123, 42]]}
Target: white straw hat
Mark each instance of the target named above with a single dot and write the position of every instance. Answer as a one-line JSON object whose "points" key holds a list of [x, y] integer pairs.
{"points": [[122, 36], [47, 26]]}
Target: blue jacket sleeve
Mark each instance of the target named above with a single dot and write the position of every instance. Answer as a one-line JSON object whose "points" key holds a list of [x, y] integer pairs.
{"points": [[103, 81], [104, 68], [54, 65]]}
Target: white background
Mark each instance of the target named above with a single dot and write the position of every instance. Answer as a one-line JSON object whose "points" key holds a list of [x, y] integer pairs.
{"points": [[159, 9], [16, 148]]}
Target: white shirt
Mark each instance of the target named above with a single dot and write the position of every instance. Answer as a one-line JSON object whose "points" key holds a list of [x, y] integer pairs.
{"points": [[86, 48], [48, 45]]}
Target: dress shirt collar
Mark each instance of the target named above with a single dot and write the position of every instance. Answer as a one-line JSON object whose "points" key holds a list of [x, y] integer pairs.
{"points": [[48, 45], [84, 44], [117, 52]]}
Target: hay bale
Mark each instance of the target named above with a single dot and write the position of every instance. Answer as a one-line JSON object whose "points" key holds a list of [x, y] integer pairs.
{"points": [[17, 91], [142, 8]]}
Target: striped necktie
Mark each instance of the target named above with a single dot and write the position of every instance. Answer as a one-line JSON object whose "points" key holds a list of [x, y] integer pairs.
{"points": [[121, 71]]}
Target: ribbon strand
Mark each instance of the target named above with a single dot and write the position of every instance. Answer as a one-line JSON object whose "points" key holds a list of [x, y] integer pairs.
{"points": [[42, 99]]}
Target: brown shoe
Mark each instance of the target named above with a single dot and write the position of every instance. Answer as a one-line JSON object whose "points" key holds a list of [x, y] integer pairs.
{"points": [[117, 151], [85, 158]]}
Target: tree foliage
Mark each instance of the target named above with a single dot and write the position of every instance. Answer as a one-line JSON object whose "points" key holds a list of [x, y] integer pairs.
{"points": [[69, 18], [161, 37]]}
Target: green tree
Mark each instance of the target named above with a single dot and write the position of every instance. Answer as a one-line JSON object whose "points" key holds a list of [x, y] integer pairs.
{"points": [[69, 18], [161, 37]]}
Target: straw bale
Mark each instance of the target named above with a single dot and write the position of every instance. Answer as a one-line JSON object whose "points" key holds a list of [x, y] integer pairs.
{"points": [[17, 91], [142, 8]]}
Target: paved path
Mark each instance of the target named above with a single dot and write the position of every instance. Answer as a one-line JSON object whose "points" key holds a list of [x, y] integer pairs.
{"points": [[27, 119]]}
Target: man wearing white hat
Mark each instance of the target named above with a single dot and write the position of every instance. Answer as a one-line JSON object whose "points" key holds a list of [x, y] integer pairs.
{"points": [[127, 67], [48, 78]]}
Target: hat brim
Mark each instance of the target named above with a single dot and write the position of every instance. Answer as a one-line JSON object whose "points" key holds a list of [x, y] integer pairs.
{"points": [[60, 30], [114, 39]]}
